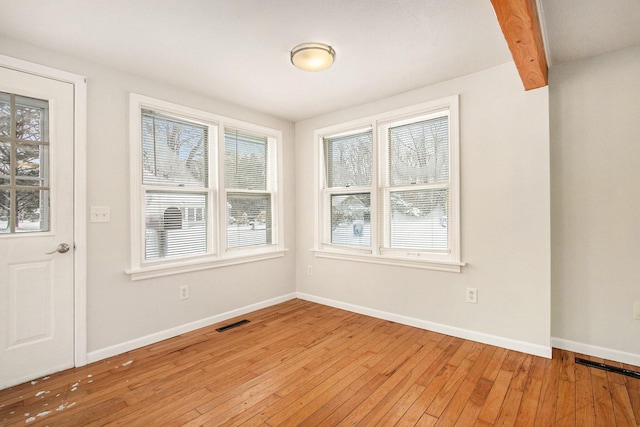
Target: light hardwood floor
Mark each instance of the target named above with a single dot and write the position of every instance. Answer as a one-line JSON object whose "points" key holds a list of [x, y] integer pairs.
{"points": [[300, 363]]}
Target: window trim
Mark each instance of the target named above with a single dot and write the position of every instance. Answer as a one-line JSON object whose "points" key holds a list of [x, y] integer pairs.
{"points": [[425, 259], [218, 254], [273, 187]]}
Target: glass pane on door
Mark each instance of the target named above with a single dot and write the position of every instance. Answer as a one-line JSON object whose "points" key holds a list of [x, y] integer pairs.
{"points": [[5, 114], [4, 211], [31, 119], [31, 207], [5, 163], [31, 165], [24, 164]]}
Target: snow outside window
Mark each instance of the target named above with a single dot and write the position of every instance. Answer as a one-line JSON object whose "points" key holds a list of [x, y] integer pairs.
{"points": [[417, 184], [175, 179], [248, 189], [205, 190], [348, 161], [389, 188]]}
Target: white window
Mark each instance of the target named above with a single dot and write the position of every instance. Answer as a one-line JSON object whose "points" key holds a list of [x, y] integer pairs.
{"points": [[249, 186], [197, 202], [347, 187], [389, 188]]}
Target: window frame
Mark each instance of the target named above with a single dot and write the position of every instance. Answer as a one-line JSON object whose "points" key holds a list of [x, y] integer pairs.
{"points": [[448, 260], [271, 186], [217, 255], [327, 192]]}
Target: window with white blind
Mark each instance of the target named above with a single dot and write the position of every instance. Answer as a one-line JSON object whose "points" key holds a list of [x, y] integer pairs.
{"points": [[248, 189], [175, 180], [197, 202], [347, 187], [389, 188]]}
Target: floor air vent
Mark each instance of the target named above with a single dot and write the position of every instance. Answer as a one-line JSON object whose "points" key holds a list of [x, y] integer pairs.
{"points": [[233, 325], [609, 368]]}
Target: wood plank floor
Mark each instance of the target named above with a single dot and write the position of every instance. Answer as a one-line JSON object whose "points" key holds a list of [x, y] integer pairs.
{"points": [[300, 363]]}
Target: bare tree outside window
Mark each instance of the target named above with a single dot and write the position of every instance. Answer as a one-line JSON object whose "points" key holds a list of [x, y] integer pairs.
{"points": [[24, 164], [174, 163], [419, 158]]}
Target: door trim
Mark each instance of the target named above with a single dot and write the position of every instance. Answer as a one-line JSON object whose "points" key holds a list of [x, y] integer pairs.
{"points": [[79, 192]]}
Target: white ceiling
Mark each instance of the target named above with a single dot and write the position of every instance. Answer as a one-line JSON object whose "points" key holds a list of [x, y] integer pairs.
{"points": [[238, 50]]}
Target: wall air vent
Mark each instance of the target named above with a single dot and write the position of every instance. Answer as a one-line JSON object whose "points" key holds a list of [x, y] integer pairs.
{"points": [[609, 368], [232, 325]]}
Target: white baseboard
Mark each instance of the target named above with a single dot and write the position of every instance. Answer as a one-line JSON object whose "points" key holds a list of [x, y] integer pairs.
{"points": [[525, 347], [522, 346], [596, 351], [114, 350]]}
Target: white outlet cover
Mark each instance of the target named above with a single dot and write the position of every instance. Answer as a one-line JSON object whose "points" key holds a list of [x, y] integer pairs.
{"points": [[636, 310], [100, 214], [472, 295]]}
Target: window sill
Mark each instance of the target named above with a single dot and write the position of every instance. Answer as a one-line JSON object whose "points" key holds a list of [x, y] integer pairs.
{"points": [[182, 266], [448, 266]]}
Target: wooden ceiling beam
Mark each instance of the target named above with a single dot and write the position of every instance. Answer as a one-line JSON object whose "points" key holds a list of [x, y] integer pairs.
{"points": [[520, 25]]}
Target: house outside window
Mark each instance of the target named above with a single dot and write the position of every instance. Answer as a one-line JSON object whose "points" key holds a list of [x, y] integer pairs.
{"points": [[388, 188], [201, 199]]}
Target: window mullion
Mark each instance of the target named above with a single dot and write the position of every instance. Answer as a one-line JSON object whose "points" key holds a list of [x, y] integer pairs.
{"points": [[382, 214], [375, 183], [349, 190], [222, 223], [174, 189], [429, 186], [212, 224]]}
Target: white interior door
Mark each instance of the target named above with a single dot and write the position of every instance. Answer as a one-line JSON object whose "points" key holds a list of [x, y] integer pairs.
{"points": [[36, 222]]}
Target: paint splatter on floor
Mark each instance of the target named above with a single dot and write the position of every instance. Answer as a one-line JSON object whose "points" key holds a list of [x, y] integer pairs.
{"points": [[60, 403], [65, 406], [127, 363], [41, 414]]}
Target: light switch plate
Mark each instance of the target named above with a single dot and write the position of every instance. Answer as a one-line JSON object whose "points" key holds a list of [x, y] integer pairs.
{"points": [[100, 214]]}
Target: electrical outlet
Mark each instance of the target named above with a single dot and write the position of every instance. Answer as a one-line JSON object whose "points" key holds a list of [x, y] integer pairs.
{"points": [[636, 310], [472, 295], [184, 292], [309, 270]]}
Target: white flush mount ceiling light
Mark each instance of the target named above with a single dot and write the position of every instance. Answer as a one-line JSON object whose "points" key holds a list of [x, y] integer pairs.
{"points": [[312, 56]]}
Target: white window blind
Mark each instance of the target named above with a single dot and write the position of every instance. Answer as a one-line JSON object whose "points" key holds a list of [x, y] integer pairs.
{"points": [[418, 219], [175, 180], [206, 190], [249, 198], [174, 152], [389, 188], [419, 152], [418, 193], [172, 227], [347, 182], [348, 160]]}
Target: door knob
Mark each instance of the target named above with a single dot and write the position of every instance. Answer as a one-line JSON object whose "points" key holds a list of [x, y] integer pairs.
{"points": [[62, 248]]}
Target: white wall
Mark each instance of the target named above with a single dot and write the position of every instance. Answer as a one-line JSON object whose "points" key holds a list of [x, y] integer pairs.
{"points": [[595, 170], [505, 217], [120, 310]]}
